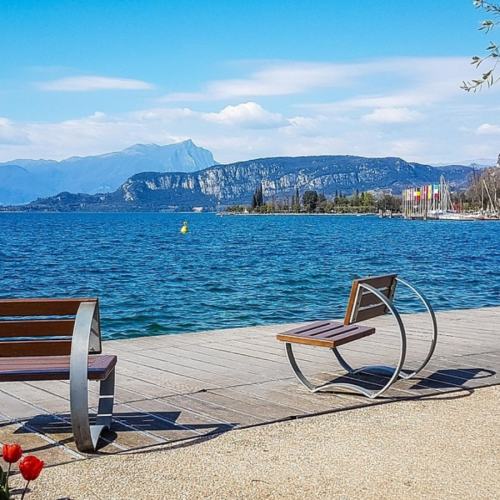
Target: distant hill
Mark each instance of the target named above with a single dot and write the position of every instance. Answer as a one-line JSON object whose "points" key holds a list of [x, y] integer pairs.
{"points": [[235, 183], [479, 163], [22, 181]]}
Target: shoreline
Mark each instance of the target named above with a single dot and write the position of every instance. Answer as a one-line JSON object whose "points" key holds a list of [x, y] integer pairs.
{"points": [[275, 325]]}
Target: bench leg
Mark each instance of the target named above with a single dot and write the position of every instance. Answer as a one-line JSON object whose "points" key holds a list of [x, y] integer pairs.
{"points": [[375, 369], [337, 385], [86, 435], [406, 374], [386, 370]]}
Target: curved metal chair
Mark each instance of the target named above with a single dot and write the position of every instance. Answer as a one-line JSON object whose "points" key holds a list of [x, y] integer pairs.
{"points": [[370, 297]]}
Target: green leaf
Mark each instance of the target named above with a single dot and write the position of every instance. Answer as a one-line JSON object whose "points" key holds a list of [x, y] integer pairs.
{"points": [[4, 495]]}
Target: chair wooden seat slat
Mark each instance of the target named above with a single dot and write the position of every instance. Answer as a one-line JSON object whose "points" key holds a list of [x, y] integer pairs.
{"points": [[60, 339], [370, 297], [330, 334]]}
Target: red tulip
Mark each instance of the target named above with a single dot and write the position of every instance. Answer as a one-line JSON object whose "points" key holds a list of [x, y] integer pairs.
{"points": [[11, 453], [30, 467]]}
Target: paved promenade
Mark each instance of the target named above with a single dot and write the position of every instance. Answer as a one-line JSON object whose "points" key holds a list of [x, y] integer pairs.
{"points": [[183, 389]]}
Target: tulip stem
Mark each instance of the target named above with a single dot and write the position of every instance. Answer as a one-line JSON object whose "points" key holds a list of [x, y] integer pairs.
{"points": [[25, 490]]}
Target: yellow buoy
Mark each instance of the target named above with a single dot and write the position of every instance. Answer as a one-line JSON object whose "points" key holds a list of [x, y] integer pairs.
{"points": [[184, 228]]}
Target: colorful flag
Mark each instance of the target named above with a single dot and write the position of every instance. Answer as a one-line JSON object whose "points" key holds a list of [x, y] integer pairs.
{"points": [[429, 192], [417, 194], [436, 190]]}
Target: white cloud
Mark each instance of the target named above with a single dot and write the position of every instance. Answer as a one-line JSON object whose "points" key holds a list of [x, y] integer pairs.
{"points": [[91, 83], [285, 78], [164, 114], [393, 115], [402, 81], [247, 115], [488, 129], [301, 126], [10, 134]]}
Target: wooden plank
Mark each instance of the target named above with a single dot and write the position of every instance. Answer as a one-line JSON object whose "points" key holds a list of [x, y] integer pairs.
{"points": [[37, 328], [367, 298], [137, 428], [150, 382], [212, 363], [41, 307], [12, 348], [369, 313], [165, 375], [195, 369], [323, 334], [199, 424], [13, 407], [52, 368], [41, 400], [215, 411]]}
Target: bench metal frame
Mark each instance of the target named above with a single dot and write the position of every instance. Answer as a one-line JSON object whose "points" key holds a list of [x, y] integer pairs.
{"points": [[84, 340]]}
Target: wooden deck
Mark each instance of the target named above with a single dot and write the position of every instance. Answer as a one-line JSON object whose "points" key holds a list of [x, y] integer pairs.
{"points": [[183, 388]]}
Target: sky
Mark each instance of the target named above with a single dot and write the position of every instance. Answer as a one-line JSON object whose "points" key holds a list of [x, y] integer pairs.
{"points": [[246, 79]]}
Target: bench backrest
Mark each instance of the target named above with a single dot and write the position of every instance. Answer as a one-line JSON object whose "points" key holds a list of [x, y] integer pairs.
{"points": [[363, 304], [43, 327]]}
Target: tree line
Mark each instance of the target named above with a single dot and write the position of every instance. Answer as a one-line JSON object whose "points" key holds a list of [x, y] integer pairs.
{"points": [[313, 202]]}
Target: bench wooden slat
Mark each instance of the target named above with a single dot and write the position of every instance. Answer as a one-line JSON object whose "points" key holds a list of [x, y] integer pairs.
{"points": [[360, 298], [331, 334], [372, 312], [37, 328], [41, 307], [368, 299], [384, 281], [52, 368], [12, 348]]}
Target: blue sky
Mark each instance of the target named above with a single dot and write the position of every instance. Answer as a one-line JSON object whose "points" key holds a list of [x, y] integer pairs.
{"points": [[245, 79]]}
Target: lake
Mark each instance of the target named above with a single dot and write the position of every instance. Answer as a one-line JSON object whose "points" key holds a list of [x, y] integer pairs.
{"points": [[237, 271]]}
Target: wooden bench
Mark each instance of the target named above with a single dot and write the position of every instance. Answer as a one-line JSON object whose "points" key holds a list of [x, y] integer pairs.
{"points": [[370, 297], [60, 339]]}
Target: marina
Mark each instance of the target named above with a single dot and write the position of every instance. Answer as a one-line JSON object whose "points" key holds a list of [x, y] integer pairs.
{"points": [[433, 202]]}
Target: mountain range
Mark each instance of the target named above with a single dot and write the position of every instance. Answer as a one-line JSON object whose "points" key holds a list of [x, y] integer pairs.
{"points": [[22, 181], [235, 183]]}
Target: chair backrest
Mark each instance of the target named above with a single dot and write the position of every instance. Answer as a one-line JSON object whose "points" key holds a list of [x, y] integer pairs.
{"points": [[363, 304], [43, 327]]}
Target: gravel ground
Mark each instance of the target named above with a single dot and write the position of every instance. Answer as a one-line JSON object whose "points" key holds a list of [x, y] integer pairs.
{"points": [[447, 448]]}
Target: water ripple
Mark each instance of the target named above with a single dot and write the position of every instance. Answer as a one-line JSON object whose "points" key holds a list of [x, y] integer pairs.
{"points": [[239, 271]]}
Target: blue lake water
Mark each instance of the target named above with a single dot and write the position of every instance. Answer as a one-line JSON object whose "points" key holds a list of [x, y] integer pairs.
{"points": [[238, 271]]}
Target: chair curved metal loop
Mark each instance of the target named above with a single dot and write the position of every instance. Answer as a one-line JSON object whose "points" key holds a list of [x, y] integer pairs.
{"points": [[394, 372], [434, 336], [86, 435]]}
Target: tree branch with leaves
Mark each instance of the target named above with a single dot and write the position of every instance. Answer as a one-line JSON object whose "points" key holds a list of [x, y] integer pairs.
{"points": [[488, 77]]}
